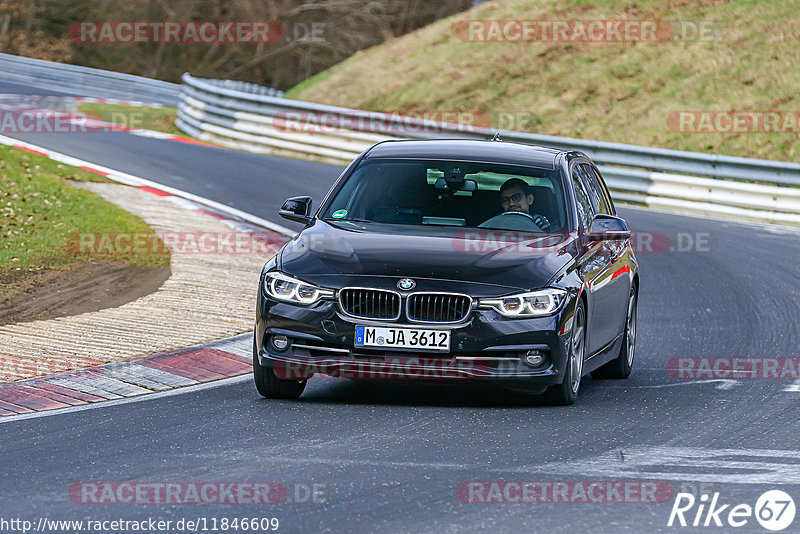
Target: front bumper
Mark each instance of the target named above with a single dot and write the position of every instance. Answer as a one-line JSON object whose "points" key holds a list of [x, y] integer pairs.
{"points": [[486, 346]]}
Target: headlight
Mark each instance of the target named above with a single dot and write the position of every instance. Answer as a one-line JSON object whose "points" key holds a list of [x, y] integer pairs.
{"points": [[283, 287], [531, 304]]}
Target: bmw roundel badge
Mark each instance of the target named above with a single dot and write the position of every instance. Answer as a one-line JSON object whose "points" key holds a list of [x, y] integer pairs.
{"points": [[406, 284]]}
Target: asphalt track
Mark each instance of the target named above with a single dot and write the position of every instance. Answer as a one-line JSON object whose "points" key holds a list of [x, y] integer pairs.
{"points": [[389, 457]]}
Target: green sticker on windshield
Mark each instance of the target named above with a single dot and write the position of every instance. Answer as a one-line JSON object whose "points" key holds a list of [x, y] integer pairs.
{"points": [[339, 214]]}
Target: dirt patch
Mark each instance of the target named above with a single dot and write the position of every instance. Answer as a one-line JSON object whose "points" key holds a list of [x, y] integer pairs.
{"points": [[90, 287]]}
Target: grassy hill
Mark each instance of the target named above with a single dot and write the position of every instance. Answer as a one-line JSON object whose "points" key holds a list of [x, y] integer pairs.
{"points": [[611, 91]]}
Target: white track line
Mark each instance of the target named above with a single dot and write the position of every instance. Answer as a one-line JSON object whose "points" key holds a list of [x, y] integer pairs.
{"points": [[130, 179], [770, 227], [139, 398], [793, 388]]}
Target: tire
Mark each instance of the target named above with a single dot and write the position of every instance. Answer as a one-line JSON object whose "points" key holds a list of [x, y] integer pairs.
{"points": [[621, 366], [566, 393], [272, 387]]}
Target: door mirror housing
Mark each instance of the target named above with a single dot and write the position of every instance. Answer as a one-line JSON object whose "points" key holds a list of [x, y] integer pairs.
{"points": [[297, 209], [605, 227]]}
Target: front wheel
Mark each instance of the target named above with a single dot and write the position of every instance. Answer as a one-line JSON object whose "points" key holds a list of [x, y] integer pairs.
{"points": [[272, 387], [565, 393], [621, 366]]}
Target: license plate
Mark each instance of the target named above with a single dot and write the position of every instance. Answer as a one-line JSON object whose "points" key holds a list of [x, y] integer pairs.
{"points": [[402, 338]]}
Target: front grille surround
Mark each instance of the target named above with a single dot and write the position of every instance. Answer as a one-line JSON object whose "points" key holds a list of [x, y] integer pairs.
{"points": [[438, 307], [423, 307], [353, 300]]}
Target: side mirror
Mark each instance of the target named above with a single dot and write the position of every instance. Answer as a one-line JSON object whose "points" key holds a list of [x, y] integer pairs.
{"points": [[297, 209], [606, 227]]}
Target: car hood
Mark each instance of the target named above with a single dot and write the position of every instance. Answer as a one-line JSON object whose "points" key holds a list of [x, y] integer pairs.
{"points": [[324, 252]]}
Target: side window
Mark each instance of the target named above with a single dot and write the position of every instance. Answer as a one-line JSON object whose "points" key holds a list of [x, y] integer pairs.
{"points": [[596, 196], [598, 181], [585, 211]]}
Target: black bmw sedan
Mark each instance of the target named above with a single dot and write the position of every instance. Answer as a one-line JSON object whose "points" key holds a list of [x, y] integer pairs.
{"points": [[448, 260]]}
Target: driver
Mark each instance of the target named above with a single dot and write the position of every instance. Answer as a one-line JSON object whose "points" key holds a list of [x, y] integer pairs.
{"points": [[515, 195]]}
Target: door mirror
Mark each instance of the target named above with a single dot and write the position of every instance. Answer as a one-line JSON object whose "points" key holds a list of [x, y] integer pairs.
{"points": [[297, 209], [606, 227]]}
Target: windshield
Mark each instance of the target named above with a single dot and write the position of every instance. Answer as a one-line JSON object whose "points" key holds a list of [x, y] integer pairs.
{"points": [[451, 193]]}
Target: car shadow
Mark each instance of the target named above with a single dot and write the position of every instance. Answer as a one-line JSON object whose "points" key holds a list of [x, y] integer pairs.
{"points": [[428, 393]]}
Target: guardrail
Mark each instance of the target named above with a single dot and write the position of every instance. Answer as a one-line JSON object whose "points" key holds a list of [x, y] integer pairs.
{"points": [[691, 182], [85, 81]]}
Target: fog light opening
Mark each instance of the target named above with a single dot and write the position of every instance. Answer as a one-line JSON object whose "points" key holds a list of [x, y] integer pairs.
{"points": [[279, 342], [534, 358]]}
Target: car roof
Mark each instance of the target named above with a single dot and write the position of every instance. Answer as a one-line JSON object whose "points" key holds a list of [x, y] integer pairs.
{"points": [[468, 150]]}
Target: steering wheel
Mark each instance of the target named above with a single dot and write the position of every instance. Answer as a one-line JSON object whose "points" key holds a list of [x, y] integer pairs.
{"points": [[499, 221]]}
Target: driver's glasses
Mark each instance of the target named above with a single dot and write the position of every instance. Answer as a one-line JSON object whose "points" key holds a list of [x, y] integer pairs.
{"points": [[516, 197]]}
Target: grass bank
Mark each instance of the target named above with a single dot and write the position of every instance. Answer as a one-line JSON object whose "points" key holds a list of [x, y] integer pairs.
{"points": [[42, 216], [613, 91], [158, 119]]}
